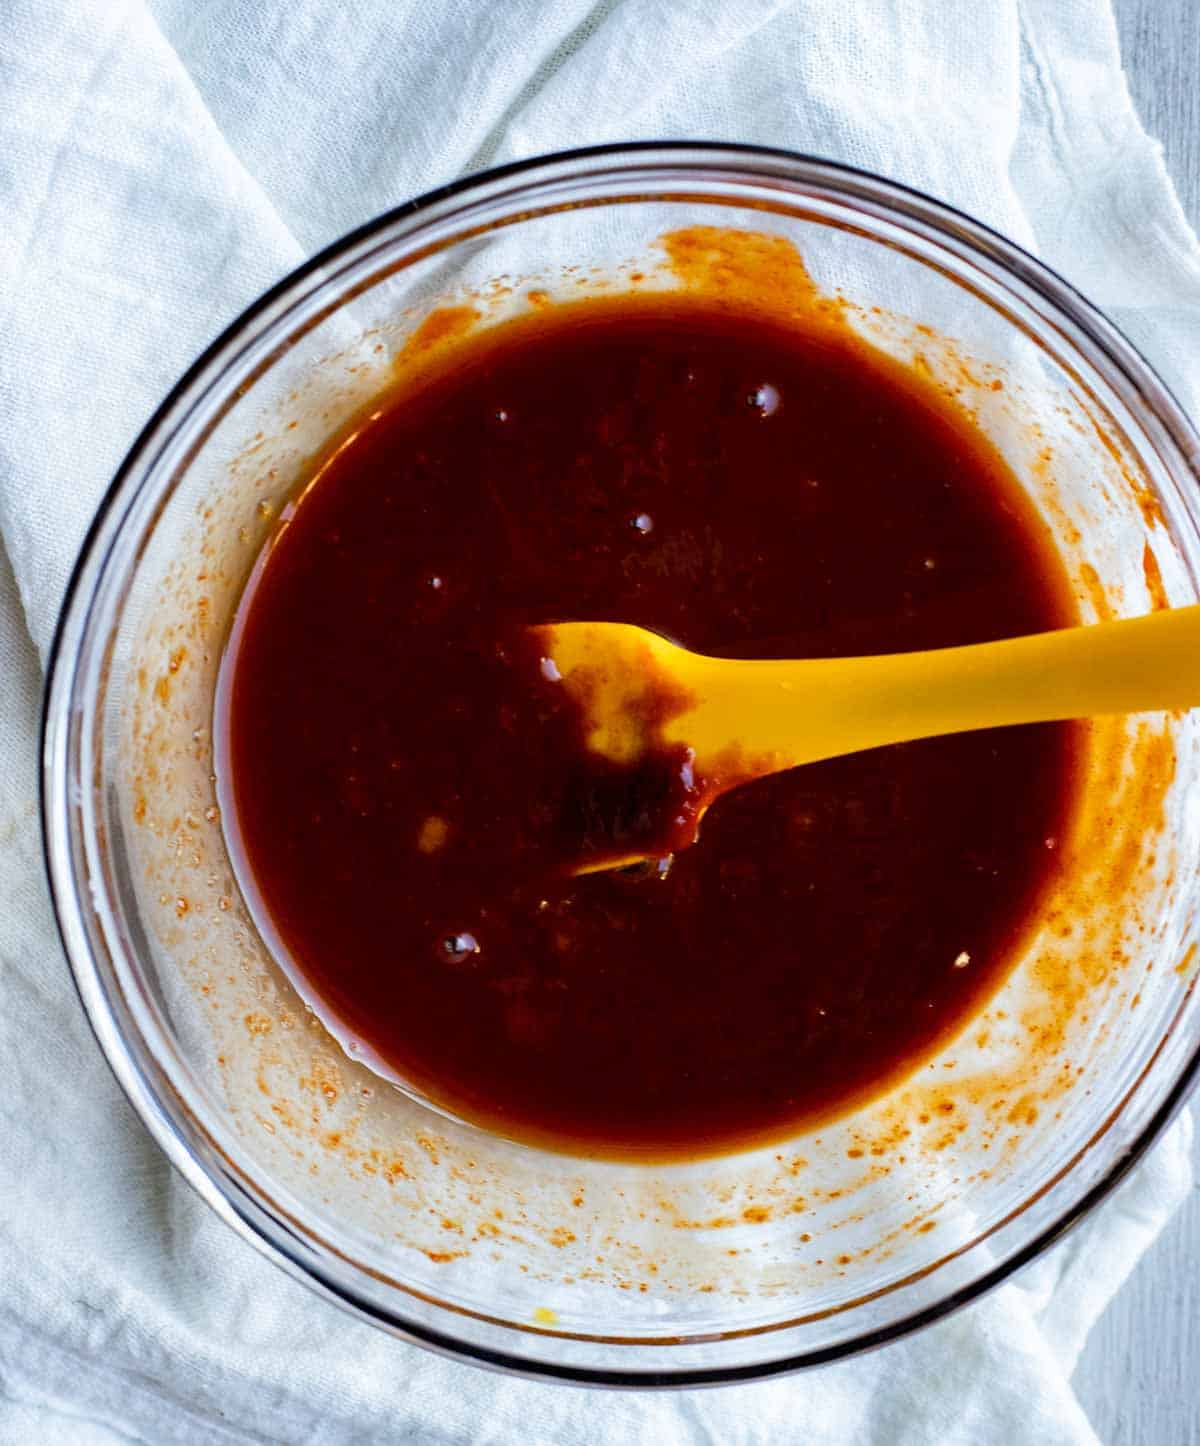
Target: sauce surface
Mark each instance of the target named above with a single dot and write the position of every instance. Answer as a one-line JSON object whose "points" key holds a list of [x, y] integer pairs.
{"points": [[403, 777]]}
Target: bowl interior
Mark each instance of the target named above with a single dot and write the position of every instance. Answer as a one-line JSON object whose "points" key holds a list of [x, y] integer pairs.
{"points": [[803, 1250]]}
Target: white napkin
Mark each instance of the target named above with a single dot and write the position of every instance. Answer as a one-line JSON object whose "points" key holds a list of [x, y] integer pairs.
{"points": [[159, 165]]}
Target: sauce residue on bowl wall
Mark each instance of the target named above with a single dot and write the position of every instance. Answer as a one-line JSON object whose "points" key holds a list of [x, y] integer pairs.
{"points": [[867, 1185]]}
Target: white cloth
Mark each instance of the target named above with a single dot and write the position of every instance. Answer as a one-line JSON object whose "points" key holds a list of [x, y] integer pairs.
{"points": [[159, 165]]}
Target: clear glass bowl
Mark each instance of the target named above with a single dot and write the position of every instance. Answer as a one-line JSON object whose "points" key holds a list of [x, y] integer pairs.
{"points": [[493, 1251]]}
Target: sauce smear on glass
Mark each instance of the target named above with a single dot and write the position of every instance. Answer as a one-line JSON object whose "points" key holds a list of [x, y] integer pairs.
{"points": [[404, 777]]}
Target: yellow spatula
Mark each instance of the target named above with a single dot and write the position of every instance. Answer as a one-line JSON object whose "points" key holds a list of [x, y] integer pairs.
{"points": [[743, 719]]}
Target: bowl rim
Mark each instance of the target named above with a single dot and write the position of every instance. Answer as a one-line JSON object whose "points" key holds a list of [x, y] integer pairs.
{"points": [[270, 1233]]}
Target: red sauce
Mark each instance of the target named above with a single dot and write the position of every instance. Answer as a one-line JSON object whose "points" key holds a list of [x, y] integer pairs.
{"points": [[408, 793]]}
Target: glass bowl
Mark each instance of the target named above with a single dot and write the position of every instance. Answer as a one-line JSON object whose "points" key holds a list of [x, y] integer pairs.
{"points": [[496, 1252]]}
